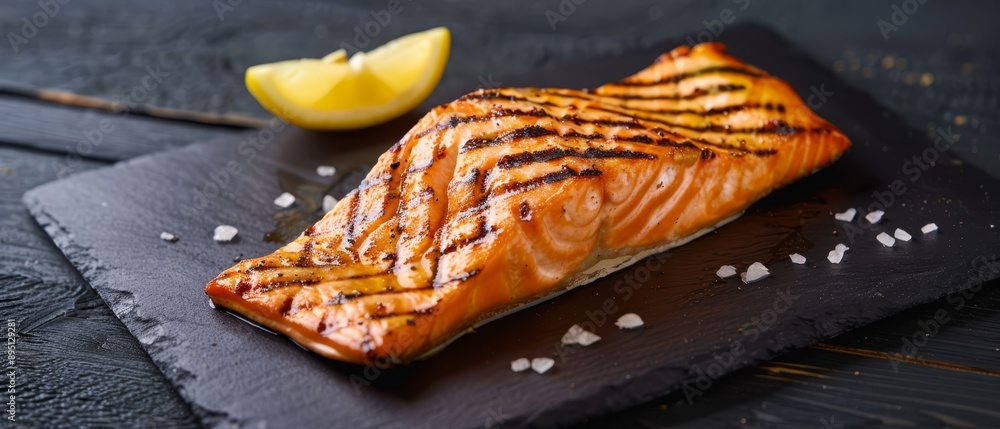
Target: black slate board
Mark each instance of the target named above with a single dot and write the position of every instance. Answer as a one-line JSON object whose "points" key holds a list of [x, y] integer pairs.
{"points": [[107, 223]]}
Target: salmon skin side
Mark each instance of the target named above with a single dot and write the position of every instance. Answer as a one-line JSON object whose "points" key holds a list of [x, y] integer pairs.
{"points": [[507, 196]]}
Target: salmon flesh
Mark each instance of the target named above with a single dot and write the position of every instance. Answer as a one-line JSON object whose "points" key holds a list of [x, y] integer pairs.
{"points": [[507, 196]]}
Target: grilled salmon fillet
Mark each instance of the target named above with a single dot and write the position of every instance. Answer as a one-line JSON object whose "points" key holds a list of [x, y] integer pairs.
{"points": [[506, 196]]}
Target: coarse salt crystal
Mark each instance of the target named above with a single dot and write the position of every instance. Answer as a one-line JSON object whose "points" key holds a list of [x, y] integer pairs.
{"points": [[755, 271], [797, 258], [629, 321], [578, 335], [726, 271], [874, 216], [519, 365], [837, 254], [846, 215], [540, 365], [224, 233], [284, 200], [166, 236], [326, 170], [929, 228], [902, 235], [886, 239], [328, 203]]}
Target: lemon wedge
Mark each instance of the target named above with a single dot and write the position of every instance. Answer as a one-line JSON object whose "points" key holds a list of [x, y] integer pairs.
{"points": [[341, 93]]}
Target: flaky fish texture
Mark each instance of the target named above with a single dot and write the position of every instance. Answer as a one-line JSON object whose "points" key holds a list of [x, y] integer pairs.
{"points": [[506, 196]]}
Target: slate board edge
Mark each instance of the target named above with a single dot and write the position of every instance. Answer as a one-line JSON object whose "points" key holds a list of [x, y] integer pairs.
{"points": [[567, 413]]}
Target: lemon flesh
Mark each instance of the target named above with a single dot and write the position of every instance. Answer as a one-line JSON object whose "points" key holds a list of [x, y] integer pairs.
{"points": [[337, 93]]}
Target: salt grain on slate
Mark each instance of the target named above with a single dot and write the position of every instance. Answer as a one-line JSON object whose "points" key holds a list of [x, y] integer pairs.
{"points": [[726, 271], [837, 254], [519, 365], [540, 365], [902, 235], [224, 233], [629, 321], [284, 200], [166, 236], [874, 216], [846, 216], [328, 203], [578, 335], [929, 228], [886, 239], [797, 258], [755, 272], [326, 170]]}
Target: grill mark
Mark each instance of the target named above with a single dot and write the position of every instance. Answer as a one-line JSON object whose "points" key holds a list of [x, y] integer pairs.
{"points": [[724, 110], [343, 298], [531, 131], [352, 214], [697, 93], [556, 176], [454, 121], [461, 278], [687, 75], [726, 129], [414, 313], [768, 128], [524, 158], [305, 257], [481, 231]]}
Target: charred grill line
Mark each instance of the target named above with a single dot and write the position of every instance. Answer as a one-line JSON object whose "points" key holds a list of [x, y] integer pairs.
{"points": [[524, 158], [687, 75]]}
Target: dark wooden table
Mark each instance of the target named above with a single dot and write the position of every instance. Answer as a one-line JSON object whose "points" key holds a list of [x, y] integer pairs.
{"points": [[77, 366]]}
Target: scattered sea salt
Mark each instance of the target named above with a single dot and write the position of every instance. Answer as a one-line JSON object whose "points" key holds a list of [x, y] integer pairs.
{"points": [[886, 239], [726, 271], [902, 235], [166, 236], [328, 203], [929, 228], [837, 254], [797, 258], [629, 321], [755, 271], [519, 365], [874, 216], [326, 170], [540, 365], [846, 215], [284, 200], [224, 233], [578, 335]]}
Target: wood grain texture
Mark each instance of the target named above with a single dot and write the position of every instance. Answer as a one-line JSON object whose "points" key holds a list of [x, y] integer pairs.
{"points": [[683, 335], [76, 364]]}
